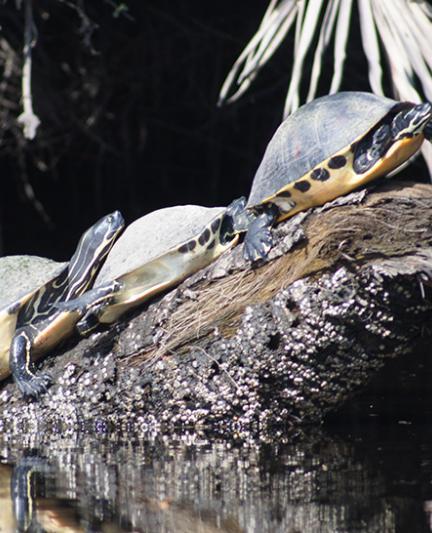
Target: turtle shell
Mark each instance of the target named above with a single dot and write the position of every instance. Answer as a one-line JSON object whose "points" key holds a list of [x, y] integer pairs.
{"points": [[155, 234], [22, 274], [314, 133]]}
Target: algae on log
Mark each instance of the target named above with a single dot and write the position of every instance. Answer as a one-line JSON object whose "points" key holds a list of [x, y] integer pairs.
{"points": [[347, 287]]}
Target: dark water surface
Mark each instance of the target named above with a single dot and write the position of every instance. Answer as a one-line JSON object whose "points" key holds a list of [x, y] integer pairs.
{"points": [[371, 479]]}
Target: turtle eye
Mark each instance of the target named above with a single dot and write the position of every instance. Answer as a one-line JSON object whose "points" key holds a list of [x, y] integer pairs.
{"points": [[114, 222]]}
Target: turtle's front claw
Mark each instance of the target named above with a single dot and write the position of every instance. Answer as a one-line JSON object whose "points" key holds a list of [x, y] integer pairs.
{"points": [[258, 245], [259, 240], [34, 386]]}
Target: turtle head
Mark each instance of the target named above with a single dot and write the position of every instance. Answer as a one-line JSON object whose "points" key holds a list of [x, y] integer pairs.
{"points": [[92, 250], [107, 229], [412, 121]]}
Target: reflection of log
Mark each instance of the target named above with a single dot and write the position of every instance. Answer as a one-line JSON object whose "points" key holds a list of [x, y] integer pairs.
{"points": [[346, 289], [200, 483]]}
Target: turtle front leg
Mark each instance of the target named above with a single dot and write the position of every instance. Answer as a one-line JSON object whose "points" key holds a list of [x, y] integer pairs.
{"points": [[259, 241], [90, 321], [100, 298], [234, 220], [90, 306], [21, 366]]}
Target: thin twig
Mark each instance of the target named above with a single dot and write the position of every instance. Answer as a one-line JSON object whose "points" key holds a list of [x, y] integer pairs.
{"points": [[28, 119]]}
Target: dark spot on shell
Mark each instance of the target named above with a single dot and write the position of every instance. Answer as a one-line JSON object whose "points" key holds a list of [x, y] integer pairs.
{"points": [[204, 237], [284, 194], [302, 185], [215, 225], [338, 161], [320, 174], [353, 147], [211, 245], [187, 247]]}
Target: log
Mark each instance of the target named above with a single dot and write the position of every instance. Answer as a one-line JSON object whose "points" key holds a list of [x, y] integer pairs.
{"points": [[346, 289]]}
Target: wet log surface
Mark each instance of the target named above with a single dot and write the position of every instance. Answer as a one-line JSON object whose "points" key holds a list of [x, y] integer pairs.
{"points": [[345, 293]]}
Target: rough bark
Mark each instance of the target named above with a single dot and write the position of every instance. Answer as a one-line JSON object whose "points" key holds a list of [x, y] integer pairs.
{"points": [[346, 288]]}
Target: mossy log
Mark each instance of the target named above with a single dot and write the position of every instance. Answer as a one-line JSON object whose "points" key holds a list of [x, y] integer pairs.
{"points": [[346, 288]]}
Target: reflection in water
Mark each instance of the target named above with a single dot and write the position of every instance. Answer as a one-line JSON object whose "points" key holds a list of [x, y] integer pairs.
{"points": [[22, 508], [372, 482]]}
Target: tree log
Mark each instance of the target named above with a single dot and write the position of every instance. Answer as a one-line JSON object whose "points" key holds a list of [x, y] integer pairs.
{"points": [[346, 289]]}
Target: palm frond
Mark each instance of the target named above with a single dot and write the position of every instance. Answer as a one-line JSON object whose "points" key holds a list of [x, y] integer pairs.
{"points": [[341, 39], [326, 33], [301, 47], [371, 46], [274, 26]]}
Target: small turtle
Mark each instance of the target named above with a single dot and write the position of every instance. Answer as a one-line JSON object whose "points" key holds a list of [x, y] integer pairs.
{"points": [[154, 253], [30, 324], [326, 149]]}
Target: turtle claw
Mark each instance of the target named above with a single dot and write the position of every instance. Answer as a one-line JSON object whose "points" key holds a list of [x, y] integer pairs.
{"points": [[34, 386], [259, 241], [258, 245]]}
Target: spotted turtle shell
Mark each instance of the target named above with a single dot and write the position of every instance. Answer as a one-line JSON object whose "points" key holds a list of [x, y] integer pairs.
{"points": [[314, 133], [153, 235]]}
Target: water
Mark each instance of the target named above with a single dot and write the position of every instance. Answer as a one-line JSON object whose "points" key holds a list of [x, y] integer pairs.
{"points": [[371, 479]]}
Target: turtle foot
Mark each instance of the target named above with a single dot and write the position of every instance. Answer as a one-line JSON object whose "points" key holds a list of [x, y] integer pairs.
{"points": [[87, 324], [34, 386], [259, 240], [258, 245]]}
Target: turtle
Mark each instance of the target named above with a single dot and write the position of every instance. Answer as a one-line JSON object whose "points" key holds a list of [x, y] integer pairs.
{"points": [[154, 253], [325, 149], [30, 325]]}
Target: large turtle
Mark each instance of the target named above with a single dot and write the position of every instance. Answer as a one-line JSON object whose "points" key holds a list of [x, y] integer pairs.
{"points": [[30, 324], [327, 148], [154, 253]]}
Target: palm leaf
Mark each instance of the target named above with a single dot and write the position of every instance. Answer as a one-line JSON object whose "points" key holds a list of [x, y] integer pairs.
{"points": [[275, 25], [326, 33], [307, 32], [341, 39], [371, 45]]}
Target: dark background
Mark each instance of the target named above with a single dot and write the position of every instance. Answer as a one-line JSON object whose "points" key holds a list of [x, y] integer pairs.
{"points": [[129, 118]]}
